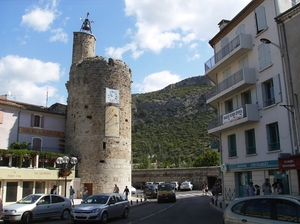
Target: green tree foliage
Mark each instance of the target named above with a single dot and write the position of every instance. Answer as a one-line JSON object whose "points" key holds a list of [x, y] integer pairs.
{"points": [[170, 127], [208, 158]]}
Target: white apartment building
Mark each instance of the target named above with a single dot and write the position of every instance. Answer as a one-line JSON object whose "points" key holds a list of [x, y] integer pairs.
{"points": [[250, 95]]}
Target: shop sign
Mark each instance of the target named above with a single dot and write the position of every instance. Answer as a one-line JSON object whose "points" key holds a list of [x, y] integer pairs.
{"points": [[289, 163], [253, 165]]}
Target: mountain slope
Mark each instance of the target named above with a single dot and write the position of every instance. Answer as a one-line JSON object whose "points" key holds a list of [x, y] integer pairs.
{"points": [[169, 126]]}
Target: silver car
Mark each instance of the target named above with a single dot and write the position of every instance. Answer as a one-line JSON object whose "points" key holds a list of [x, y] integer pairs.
{"points": [[37, 206], [263, 209], [186, 185], [100, 207]]}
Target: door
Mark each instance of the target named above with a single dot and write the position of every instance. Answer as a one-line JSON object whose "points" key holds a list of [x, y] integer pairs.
{"points": [[43, 208], [282, 178]]}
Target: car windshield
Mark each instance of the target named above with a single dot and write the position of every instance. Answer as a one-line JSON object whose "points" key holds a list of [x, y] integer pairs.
{"points": [[96, 200], [165, 187], [30, 199]]}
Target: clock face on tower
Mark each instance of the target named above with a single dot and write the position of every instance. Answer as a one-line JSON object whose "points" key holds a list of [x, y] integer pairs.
{"points": [[112, 95]]}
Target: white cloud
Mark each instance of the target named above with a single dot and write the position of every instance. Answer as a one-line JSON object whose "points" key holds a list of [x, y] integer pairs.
{"points": [[160, 24], [59, 35], [29, 79], [157, 81], [38, 19]]}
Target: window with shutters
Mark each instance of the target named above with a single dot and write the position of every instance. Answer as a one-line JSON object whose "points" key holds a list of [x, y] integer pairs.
{"points": [[264, 56], [37, 121], [250, 142], [231, 146], [273, 137], [260, 17], [271, 91]]}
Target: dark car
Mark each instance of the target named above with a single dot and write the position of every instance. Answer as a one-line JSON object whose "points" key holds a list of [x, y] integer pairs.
{"points": [[150, 191], [37, 206], [100, 207], [166, 192]]}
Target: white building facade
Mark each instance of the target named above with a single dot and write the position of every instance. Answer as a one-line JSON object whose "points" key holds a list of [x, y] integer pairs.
{"points": [[250, 92]]}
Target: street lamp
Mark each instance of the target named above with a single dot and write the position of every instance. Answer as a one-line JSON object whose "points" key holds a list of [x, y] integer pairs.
{"points": [[65, 169], [267, 41]]}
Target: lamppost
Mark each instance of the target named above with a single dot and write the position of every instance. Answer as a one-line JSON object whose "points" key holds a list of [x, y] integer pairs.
{"points": [[65, 169], [289, 75]]}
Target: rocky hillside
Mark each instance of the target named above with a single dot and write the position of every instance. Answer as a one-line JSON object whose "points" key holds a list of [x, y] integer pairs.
{"points": [[169, 126]]}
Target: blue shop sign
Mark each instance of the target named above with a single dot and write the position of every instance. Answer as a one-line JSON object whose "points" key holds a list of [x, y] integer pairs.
{"points": [[253, 165]]}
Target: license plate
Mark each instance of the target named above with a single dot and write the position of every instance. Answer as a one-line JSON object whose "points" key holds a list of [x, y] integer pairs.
{"points": [[5, 218], [80, 215]]}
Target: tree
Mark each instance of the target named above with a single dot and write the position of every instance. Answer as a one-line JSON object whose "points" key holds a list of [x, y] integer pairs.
{"points": [[208, 158]]}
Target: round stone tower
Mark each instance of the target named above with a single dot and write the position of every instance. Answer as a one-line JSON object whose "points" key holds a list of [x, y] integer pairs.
{"points": [[98, 127]]}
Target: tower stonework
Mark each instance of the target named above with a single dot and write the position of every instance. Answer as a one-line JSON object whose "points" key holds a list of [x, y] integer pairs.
{"points": [[98, 131]]}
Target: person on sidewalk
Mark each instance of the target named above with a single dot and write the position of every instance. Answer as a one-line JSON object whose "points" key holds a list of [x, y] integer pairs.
{"points": [[53, 190], [250, 189], [116, 189], [85, 193], [72, 192], [126, 192], [266, 187]]}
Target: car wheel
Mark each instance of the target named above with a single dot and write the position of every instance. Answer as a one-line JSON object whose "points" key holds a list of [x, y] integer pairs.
{"points": [[65, 214], [125, 213], [26, 217], [104, 217]]}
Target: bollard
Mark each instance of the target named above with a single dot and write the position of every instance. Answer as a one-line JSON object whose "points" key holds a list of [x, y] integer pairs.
{"points": [[212, 200], [141, 200], [216, 202], [137, 201], [220, 204]]}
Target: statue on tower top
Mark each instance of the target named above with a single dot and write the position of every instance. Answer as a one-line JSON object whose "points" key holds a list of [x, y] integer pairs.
{"points": [[86, 25]]}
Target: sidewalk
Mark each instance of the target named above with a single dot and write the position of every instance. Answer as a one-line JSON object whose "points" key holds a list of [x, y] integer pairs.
{"points": [[219, 204]]}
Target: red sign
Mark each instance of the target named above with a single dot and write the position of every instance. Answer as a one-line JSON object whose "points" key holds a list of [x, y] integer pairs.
{"points": [[289, 163]]}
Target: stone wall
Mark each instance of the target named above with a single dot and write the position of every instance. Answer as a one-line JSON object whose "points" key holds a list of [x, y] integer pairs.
{"points": [[198, 175]]}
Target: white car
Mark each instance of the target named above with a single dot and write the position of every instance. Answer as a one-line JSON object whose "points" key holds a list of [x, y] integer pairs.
{"points": [[133, 190], [36, 206], [186, 185]]}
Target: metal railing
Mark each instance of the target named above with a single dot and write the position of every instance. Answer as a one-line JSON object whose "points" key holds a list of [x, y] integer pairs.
{"points": [[225, 84], [222, 53]]}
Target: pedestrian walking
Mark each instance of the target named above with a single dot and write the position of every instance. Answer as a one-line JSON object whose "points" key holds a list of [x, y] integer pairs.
{"points": [[266, 187], [257, 192], [250, 189], [72, 192], [85, 193], [116, 189], [126, 192], [53, 190]]}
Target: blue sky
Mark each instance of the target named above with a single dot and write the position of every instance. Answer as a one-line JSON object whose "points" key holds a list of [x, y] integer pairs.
{"points": [[162, 41]]}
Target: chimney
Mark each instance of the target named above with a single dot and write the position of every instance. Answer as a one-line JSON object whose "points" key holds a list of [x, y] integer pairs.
{"points": [[223, 23]]}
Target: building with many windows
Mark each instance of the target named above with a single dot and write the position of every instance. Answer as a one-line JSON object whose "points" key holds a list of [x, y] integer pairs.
{"points": [[250, 96]]}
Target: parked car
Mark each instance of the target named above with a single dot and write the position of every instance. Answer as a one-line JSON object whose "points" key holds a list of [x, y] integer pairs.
{"points": [[100, 207], [133, 190], [186, 185], [166, 192], [37, 206], [176, 184], [150, 191], [139, 185], [263, 209]]}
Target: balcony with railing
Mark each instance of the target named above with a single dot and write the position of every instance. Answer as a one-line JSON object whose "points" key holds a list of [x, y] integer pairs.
{"points": [[233, 84], [239, 46], [245, 114]]}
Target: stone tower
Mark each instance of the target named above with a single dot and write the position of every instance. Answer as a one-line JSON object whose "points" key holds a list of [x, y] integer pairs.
{"points": [[98, 127]]}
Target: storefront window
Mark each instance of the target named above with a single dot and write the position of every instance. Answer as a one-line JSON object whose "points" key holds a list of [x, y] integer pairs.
{"points": [[39, 187], [11, 191], [27, 188]]}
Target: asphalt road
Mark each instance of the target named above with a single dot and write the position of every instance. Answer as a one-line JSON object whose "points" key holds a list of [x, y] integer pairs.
{"points": [[190, 207]]}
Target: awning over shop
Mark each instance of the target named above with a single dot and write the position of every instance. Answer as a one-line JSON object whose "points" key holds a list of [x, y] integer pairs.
{"points": [[289, 163]]}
